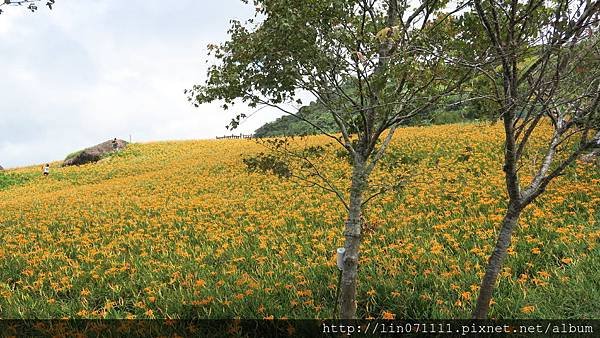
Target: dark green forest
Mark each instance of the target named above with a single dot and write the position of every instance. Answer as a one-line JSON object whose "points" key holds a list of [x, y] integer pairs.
{"points": [[454, 109]]}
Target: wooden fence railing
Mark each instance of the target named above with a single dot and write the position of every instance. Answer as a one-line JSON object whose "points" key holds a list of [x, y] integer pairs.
{"points": [[240, 136]]}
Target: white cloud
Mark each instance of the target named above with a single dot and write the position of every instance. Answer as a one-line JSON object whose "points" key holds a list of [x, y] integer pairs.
{"points": [[92, 70]]}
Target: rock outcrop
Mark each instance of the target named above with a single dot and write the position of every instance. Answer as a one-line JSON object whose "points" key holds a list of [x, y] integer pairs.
{"points": [[94, 154], [1, 168]]}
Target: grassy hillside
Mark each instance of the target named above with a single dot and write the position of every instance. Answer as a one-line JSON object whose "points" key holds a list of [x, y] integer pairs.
{"points": [[181, 230]]}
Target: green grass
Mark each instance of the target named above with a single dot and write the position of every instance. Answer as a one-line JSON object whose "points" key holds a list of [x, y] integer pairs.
{"points": [[73, 155], [572, 297], [8, 179]]}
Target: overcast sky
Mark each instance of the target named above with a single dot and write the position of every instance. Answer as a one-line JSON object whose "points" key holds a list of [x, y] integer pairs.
{"points": [[89, 71]]}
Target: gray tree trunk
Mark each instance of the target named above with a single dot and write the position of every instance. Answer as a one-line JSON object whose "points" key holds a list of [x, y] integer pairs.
{"points": [[348, 283], [495, 262]]}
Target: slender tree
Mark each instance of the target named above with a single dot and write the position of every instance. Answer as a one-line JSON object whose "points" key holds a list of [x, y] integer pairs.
{"points": [[372, 64], [547, 73]]}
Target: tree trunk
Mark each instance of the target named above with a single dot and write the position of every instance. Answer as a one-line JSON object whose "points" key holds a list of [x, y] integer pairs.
{"points": [[495, 262], [347, 301]]}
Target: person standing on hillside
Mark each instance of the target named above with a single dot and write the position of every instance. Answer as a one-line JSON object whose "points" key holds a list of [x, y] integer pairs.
{"points": [[46, 169], [115, 145]]}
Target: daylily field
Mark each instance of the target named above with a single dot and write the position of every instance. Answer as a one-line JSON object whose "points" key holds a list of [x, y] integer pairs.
{"points": [[182, 230]]}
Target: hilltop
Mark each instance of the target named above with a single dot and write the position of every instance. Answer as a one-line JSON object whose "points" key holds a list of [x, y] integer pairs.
{"points": [[182, 230]]}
